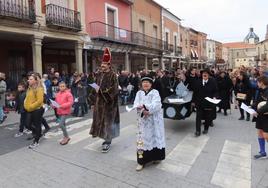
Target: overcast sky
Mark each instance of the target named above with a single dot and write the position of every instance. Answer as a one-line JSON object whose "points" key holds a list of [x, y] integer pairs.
{"points": [[222, 20]]}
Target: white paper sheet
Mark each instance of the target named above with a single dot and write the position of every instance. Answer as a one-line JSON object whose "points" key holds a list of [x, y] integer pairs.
{"points": [[129, 109], [95, 86], [176, 100], [214, 101], [54, 103], [248, 109]]}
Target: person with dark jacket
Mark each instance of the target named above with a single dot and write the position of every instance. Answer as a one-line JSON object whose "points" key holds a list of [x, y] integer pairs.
{"points": [[204, 87], [242, 93], [80, 101], [225, 86], [191, 78], [123, 81], [20, 108], [262, 116], [135, 82]]}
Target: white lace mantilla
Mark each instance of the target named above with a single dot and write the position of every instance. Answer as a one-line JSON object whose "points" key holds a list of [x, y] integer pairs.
{"points": [[151, 127]]}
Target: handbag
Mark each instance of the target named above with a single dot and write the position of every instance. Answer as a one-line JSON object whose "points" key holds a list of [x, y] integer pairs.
{"points": [[241, 96]]}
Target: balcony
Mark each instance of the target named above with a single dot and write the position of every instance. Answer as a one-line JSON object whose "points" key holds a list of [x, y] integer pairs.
{"points": [[178, 51], [62, 18], [101, 31], [169, 48], [18, 10]]}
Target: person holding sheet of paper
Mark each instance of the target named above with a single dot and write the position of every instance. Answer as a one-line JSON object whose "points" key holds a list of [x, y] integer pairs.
{"points": [[65, 100], [262, 116], [104, 100], [205, 110], [151, 132]]}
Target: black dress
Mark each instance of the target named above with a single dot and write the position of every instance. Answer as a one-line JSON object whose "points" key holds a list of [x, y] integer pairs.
{"points": [[224, 86], [262, 118]]}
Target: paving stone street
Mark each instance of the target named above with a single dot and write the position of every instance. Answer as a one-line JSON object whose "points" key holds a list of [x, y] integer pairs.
{"points": [[223, 158]]}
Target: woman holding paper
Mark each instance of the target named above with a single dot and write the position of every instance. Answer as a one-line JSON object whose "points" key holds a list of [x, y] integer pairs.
{"points": [[262, 116], [64, 102], [151, 133]]}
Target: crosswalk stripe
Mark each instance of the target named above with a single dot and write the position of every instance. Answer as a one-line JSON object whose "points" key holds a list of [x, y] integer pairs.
{"points": [[234, 166], [72, 127], [124, 132], [15, 126], [180, 160]]}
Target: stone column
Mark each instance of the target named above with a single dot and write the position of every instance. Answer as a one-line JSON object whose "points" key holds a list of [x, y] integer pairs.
{"points": [[79, 56], [127, 63], [162, 64], [37, 54], [146, 63], [86, 63]]}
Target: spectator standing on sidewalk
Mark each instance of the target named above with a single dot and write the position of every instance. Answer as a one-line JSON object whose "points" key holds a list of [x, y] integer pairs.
{"points": [[20, 108], [3, 88], [55, 89], [33, 104]]}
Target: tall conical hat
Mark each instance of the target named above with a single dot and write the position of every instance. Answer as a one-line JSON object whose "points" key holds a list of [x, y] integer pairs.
{"points": [[106, 58]]}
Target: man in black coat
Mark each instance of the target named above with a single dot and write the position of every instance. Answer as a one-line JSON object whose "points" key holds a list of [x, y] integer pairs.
{"points": [[204, 87], [225, 86], [160, 84]]}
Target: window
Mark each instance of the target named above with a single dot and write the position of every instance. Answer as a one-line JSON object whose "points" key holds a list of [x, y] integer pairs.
{"points": [[181, 38], [155, 33], [175, 41], [237, 54], [167, 41], [142, 26]]}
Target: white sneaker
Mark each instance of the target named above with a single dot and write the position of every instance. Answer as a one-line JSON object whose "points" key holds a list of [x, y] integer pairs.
{"points": [[19, 134], [139, 167], [26, 131], [33, 145]]}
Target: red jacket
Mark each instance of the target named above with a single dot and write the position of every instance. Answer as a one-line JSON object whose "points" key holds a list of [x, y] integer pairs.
{"points": [[65, 100]]}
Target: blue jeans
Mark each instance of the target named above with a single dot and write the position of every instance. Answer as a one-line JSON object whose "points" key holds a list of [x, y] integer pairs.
{"points": [[1, 113]]}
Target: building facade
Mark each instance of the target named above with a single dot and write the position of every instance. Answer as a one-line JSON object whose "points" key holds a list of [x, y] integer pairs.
{"points": [[262, 53], [241, 54], [171, 37], [37, 35], [211, 51], [202, 46], [147, 24], [108, 25]]}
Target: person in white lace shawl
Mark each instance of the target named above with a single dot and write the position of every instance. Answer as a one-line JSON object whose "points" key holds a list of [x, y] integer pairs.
{"points": [[151, 133]]}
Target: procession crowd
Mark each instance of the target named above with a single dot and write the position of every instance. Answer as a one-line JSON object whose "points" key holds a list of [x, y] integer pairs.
{"points": [[146, 90]]}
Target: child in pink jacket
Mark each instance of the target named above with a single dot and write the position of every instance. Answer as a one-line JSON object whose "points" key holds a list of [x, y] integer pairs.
{"points": [[65, 100]]}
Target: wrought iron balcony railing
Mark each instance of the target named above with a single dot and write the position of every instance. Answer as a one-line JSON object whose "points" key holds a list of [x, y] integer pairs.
{"points": [[178, 51], [64, 18], [20, 10], [168, 47], [100, 30]]}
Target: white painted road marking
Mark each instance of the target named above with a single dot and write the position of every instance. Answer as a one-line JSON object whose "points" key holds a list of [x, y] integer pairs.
{"points": [[71, 127], [183, 156], [124, 132], [234, 167]]}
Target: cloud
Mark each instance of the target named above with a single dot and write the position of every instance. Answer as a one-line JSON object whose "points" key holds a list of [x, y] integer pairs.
{"points": [[223, 20]]}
